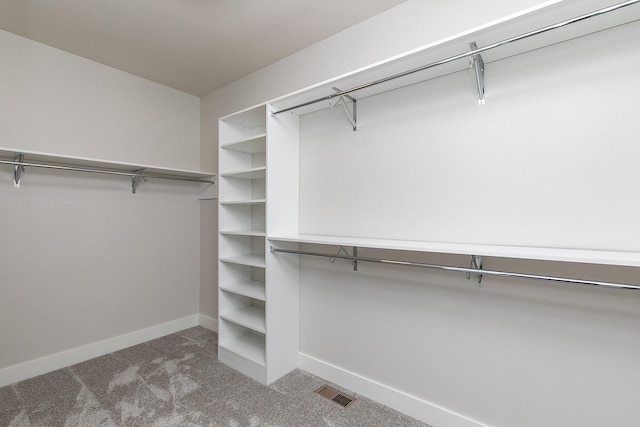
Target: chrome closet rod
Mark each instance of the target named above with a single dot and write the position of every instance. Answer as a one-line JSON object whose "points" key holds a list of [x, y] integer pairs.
{"points": [[461, 269], [103, 171], [467, 54]]}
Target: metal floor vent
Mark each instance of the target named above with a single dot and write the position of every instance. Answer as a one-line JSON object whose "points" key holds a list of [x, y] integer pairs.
{"points": [[335, 396]]}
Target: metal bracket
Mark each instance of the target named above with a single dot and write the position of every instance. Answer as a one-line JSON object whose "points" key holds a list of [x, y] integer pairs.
{"points": [[17, 170], [135, 180], [476, 263], [343, 251], [342, 99], [477, 64]]}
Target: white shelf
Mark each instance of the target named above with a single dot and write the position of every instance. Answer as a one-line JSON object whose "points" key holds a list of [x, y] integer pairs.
{"points": [[534, 253], [251, 145], [252, 117], [87, 162], [244, 202], [249, 260], [249, 288], [251, 317], [254, 173], [252, 233], [249, 346]]}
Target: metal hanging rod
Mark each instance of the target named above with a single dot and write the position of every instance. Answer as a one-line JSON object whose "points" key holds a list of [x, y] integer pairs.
{"points": [[480, 272], [470, 53], [19, 165]]}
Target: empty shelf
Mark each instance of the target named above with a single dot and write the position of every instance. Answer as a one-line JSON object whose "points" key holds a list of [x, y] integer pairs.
{"points": [[254, 233], [251, 145], [253, 173], [244, 202], [251, 317], [250, 346], [249, 288], [250, 260]]}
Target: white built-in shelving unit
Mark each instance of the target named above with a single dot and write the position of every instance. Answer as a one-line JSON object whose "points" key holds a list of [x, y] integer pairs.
{"points": [[254, 302], [242, 191]]}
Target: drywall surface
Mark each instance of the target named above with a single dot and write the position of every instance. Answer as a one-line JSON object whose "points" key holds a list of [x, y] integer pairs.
{"points": [[409, 26], [209, 258], [83, 259], [548, 161], [511, 353], [63, 104]]}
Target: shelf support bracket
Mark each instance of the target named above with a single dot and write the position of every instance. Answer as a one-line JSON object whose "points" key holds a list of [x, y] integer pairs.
{"points": [[350, 114], [345, 252], [17, 170], [135, 179], [478, 66], [476, 263], [355, 254]]}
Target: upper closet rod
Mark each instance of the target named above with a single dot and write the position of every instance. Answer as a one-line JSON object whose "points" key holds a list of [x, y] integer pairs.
{"points": [[134, 175], [467, 54], [462, 269], [131, 174]]}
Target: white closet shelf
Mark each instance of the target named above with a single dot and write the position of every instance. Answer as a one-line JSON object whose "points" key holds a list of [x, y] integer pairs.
{"points": [[248, 288], [250, 346], [249, 260], [253, 173], [251, 145], [244, 202], [250, 317], [253, 233], [87, 162], [631, 259]]}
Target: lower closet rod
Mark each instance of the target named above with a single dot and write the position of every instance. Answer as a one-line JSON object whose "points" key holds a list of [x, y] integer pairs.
{"points": [[462, 269]]}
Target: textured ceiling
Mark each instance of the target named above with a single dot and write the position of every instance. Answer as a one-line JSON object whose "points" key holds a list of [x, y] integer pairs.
{"points": [[195, 46]]}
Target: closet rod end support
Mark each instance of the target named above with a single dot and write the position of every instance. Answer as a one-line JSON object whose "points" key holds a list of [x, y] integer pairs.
{"points": [[476, 264], [17, 170], [477, 63], [135, 179]]}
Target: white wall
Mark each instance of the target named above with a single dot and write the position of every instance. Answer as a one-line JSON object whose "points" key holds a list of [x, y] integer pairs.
{"points": [[513, 352], [64, 104], [550, 155], [84, 260]]}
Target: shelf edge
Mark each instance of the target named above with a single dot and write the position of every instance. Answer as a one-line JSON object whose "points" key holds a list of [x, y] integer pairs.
{"points": [[584, 256]]}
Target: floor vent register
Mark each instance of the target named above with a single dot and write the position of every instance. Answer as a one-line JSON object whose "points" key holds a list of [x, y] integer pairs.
{"points": [[335, 396]]}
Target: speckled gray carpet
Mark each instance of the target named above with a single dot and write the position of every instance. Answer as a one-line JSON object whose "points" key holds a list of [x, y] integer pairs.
{"points": [[177, 381]]}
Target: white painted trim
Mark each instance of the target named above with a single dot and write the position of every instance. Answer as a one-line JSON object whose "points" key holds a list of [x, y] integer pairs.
{"points": [[209, 323], [42, 365], [415, 407]]}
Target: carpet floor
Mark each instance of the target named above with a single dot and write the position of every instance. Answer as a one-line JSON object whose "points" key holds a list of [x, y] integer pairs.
{"points": [[176, 381]]}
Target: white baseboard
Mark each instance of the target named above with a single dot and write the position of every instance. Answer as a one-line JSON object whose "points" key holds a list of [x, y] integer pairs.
{"points": [[32, 368], [396, 399], [209, 323]]}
